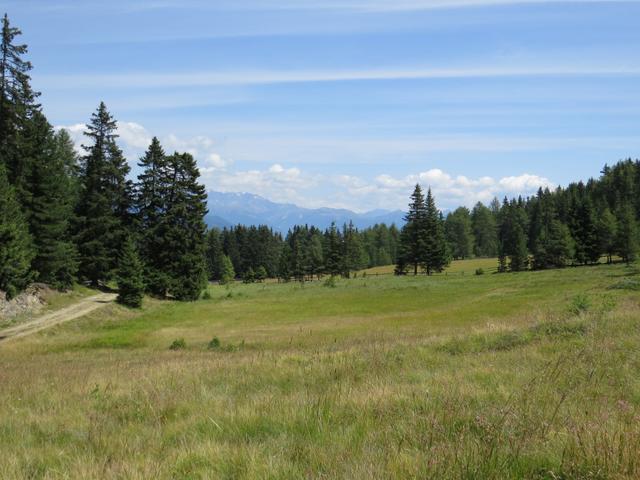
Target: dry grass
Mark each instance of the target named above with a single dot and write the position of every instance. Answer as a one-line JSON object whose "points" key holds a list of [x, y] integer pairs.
{"points": [[451, 377]]}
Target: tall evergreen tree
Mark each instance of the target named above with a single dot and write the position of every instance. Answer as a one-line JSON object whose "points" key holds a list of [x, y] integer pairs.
{"points": [[484, 230], [50, 205], [413, 237], [459, 233], [334, 256], [151, 197], [184, 229], [227, 274], [607, 233], [15, 243], [17, 105], [214, 254], [130, 276], [627, 234], [103, 212], [436, 254], [354, 254]]}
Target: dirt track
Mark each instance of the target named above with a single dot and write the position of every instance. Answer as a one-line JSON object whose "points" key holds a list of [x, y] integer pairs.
{"points": [[72, 312]]}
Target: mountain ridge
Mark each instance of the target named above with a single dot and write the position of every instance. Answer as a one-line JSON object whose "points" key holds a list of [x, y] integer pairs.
{"points": [[227, 209]]}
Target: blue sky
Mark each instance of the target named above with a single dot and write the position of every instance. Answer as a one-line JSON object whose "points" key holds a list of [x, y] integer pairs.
{"points": [[347, 103]]}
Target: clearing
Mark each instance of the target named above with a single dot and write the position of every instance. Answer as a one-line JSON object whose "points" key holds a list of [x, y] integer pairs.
{"points": [[528, 375]]}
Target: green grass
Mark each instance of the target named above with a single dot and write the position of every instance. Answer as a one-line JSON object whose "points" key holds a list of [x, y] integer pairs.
{"points": [[459, 267], [529, 375]]}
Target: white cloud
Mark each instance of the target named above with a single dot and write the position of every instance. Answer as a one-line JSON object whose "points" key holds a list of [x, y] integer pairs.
{"points": [[282, 182]]}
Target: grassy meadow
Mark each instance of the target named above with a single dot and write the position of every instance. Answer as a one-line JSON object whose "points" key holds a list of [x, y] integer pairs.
{"points": [[529, 375]]}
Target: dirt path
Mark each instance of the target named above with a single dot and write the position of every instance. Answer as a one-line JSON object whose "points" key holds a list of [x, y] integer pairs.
{"points": [[72, 312]]}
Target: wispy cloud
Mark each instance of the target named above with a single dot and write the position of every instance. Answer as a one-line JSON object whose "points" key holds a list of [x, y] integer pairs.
{"points": [[258, 77], [372, 6]]}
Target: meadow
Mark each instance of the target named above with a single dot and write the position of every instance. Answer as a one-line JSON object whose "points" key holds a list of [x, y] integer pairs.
{"points": [[524, 375]]}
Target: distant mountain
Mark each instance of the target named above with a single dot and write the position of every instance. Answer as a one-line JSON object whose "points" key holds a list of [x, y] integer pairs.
{"points": [[226, 209]]}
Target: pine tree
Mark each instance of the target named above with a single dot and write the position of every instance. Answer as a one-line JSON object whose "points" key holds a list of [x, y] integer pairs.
{"points": [[130, 276], [214, 254], [249, 276], [15, 243], [584, 228], [314, 259], [413, 235], [334, 256], [607, 233], [261, 274], [484, 231], [103, 212], [151, 204], [184, 229], [50, 206], [627, 234], [459, 234], [284, 263], [227, 274], [436, 252], [17, 105], [354, 254]]}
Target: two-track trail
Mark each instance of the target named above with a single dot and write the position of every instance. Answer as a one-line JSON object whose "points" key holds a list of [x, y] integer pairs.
{"points": [[77, 310]]}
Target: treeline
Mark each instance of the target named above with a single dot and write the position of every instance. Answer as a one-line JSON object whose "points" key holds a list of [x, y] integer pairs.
{"points": [[67, 218], [255, 253], [576, 225]]}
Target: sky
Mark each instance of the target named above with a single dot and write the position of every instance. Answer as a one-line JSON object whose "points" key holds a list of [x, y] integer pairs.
{"points": [[349, 103]]}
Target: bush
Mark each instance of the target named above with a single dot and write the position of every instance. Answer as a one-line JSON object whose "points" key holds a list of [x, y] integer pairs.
{"points": [[330, 282], [580, 304], [206, 295], [178, 344], [479, 271], [214, 344]]}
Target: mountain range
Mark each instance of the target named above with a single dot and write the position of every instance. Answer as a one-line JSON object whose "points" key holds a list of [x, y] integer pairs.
{"points": [[227, 209]]}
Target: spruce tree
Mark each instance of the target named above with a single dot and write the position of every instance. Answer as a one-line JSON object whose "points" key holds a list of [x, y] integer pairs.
{"points": [[627, 234], [354, 254], [413, 236], [227, 274], [130, 276], [459, 233], [584, 227], [151, 197], [50, 206], [484, 231], [284, 263], [17, 105], [184, 229], [261, 274], [436, 251], [214, 254], [16, 251], [334, 256], [607, 233], [103, 212]]}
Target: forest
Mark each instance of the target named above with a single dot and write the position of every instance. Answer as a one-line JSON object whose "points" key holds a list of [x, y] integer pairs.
{"points": [[67, 217]]}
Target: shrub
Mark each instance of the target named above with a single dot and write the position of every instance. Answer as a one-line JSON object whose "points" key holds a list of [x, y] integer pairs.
{"points": [[178, 344], [214, 344], [206, 295], [580, 304], [479, 271], [330, 282]]}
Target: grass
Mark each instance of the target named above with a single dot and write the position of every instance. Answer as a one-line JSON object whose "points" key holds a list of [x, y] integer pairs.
{"points": [[458, 267], [530, 375]]}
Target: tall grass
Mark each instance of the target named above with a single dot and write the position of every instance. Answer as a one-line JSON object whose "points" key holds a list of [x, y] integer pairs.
{"points": [[452, 377]]}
